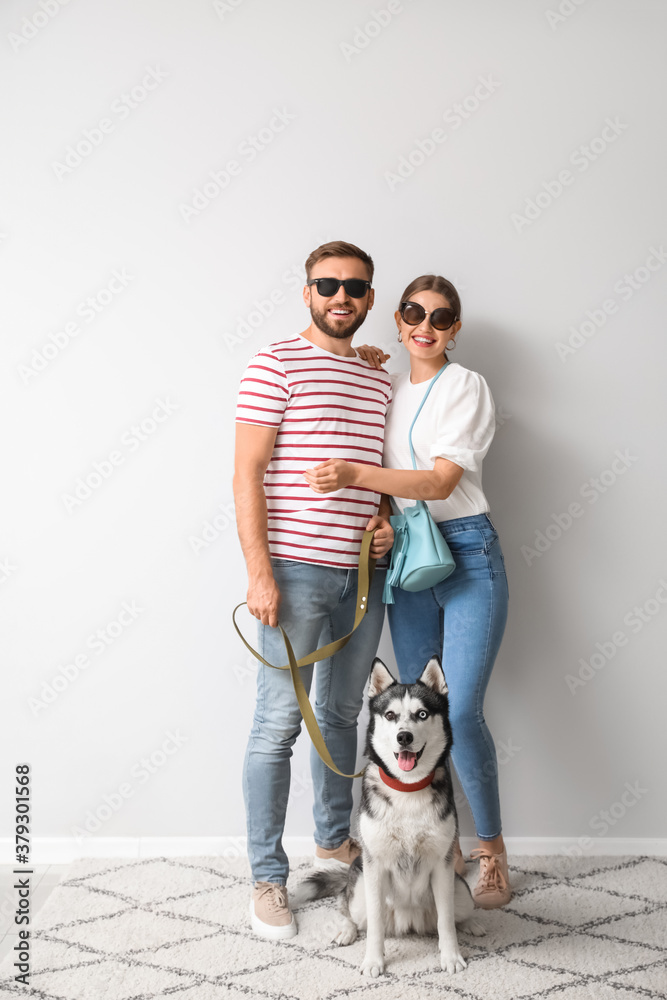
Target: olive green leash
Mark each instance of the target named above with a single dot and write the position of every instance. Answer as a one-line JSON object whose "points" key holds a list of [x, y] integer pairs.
{"points": [[364, 579]]}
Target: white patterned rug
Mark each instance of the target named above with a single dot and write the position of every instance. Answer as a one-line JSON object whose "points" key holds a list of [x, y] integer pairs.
{"points": [[178, 928]]}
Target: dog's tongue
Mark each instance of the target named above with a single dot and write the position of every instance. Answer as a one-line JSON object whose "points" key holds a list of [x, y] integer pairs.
{"points": [[407, 760]]}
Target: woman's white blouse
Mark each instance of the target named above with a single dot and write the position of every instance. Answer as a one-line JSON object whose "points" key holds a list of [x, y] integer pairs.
{"points": [[457, 422]]}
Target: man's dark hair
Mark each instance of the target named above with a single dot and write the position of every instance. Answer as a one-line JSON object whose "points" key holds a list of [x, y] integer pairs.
{"points": [[337, 248]]}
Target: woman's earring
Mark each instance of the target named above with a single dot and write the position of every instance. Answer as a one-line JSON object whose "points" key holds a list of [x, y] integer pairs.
{"points": [[399, 336], [448, 348]]}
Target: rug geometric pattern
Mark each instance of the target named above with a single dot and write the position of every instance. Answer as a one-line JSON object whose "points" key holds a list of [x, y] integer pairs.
{"points": [[575, 928]]}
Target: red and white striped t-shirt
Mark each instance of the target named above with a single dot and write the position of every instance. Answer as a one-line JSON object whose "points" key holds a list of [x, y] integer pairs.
{"points": [[325, 406]]}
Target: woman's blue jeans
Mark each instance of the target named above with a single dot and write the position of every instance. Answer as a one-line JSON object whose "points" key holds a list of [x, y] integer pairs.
{"points": [[462, 620], [318, 605]]}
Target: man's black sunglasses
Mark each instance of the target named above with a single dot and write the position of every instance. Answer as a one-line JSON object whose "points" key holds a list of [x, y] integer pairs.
{"points": [[355, 287]]}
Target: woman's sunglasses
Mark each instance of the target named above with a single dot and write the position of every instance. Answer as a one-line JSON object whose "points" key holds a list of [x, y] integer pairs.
{"points": [[355, 287], [413, 314]]}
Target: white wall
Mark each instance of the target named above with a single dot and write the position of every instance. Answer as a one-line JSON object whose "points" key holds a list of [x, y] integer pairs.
{"points": [[353, 103]]}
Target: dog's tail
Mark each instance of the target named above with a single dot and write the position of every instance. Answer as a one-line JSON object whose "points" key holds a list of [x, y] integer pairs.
{"points": [[319, 884]]}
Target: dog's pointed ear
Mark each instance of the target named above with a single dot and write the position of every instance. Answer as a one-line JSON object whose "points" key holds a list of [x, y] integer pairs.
{"points": [[380, 680], [433, 676]]}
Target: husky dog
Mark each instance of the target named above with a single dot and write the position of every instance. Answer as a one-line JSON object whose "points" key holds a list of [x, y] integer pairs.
{"points": [[405, 879]]}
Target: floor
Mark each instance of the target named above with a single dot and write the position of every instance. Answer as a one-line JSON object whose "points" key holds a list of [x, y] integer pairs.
{"points": [[576, 929], [43, 882]]}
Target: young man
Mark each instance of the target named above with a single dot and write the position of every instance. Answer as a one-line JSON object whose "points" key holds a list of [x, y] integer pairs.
{"points": [[301, 401]]}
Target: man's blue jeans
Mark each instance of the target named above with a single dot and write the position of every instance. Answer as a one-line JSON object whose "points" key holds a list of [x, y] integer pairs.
{"points": [[318, 605], [461, 620]]}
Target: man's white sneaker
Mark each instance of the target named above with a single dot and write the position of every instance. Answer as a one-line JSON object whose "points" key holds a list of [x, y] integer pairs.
{"points": [[270, 915]]}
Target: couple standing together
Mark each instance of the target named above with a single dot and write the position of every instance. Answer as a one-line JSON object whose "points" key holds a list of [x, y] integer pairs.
{"points": [[322, 455]]}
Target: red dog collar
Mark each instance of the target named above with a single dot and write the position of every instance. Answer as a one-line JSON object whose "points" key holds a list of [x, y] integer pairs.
{"points": [[403, 786]]}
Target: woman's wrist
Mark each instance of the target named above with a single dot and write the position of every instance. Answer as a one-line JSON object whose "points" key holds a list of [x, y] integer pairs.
{"points": [[357, 474]]}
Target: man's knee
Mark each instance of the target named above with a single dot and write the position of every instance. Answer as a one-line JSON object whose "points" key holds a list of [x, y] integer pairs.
{"points": [[340, 716], [276, 734]]}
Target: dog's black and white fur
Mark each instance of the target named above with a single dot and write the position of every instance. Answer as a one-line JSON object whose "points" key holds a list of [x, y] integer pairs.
{"points": [[405, 879]]}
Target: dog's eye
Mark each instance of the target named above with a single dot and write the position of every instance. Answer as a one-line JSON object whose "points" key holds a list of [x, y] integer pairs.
{"points": [[422, 715], [390, 716]]}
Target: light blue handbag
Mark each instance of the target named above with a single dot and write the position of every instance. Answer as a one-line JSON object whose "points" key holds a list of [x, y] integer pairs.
{"points": [[420, 557]]}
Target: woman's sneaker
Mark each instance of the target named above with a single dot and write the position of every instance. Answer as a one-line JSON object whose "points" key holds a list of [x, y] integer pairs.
{"points": [[493, 886], [270, 915]]}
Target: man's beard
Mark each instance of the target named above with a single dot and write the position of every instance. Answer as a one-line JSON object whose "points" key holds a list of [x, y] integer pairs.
{"points": [[321, 321]]}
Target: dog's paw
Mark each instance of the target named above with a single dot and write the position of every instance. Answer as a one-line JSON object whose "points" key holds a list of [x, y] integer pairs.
{"points": [[346, 934], [472, 926], [452, 961], [372, 966]]}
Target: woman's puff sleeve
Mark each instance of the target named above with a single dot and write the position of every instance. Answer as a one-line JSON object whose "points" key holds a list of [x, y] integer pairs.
{"points": [[466, 422]]}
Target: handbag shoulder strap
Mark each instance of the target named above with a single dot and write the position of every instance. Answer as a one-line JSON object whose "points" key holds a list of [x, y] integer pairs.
{"points": [[430, 386]]}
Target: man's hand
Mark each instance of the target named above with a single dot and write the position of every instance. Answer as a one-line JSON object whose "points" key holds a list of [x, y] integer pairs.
{"points": [[264, 600], [383, 538]]}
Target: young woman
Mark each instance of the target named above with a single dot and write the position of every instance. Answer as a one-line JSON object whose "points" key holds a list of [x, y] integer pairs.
{"points": [[463, 618]]}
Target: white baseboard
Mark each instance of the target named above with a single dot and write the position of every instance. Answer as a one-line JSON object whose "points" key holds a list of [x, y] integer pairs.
{"points": [[64, 850]]}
